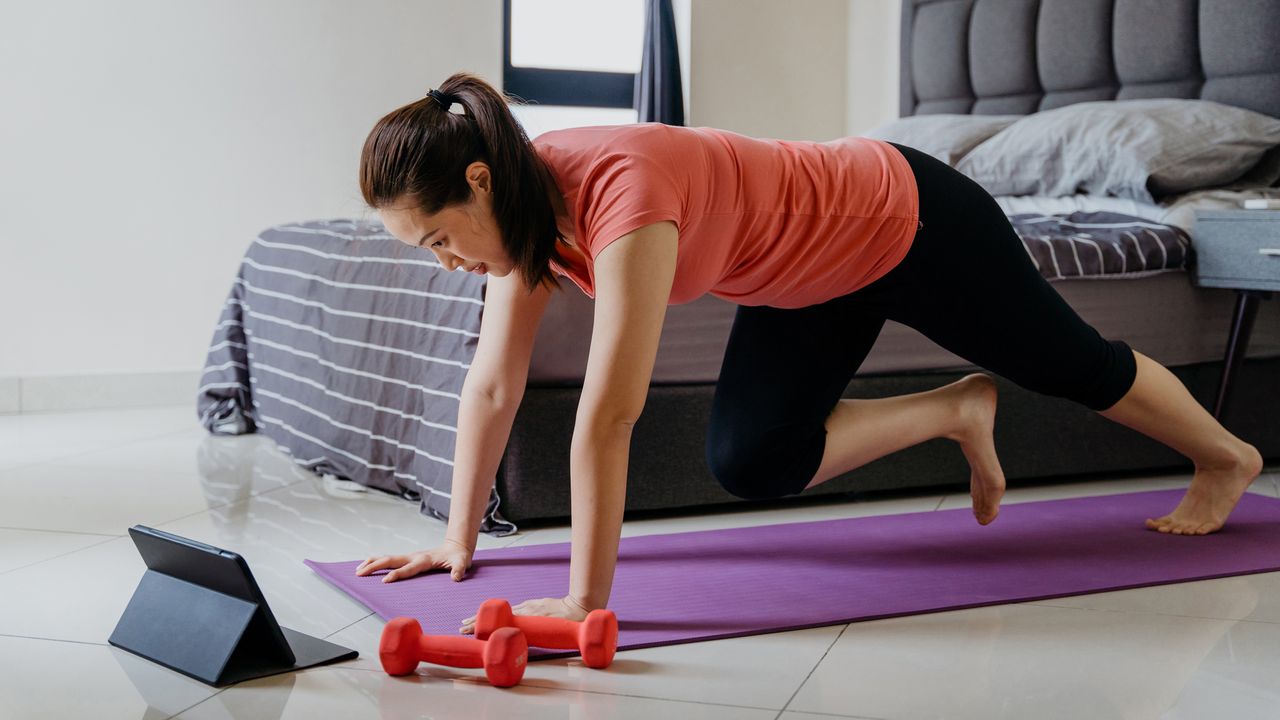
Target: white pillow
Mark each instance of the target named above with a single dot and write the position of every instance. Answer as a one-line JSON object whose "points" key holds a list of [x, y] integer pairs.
{"points": [[1135, 149], [947, 137]]}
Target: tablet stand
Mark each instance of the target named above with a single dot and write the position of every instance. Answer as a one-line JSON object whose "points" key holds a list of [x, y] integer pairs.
{"points": [[210, 636]]}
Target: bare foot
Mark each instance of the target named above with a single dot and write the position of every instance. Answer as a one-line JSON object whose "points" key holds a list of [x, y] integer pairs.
{"points": [[976, 403], [1212, 496]]}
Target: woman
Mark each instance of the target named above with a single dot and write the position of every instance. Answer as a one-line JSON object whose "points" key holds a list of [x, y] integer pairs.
{"points": [[819, 244]]}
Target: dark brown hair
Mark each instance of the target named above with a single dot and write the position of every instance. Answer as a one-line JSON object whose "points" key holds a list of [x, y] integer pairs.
{"points": [[420, 151]]}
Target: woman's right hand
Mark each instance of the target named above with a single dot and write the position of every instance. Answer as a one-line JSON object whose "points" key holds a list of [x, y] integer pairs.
{"points": [[451, 554]]}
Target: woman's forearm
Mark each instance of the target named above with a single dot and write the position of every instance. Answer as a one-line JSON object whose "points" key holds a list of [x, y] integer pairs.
{"points": [[598, 483], [484, 425]]}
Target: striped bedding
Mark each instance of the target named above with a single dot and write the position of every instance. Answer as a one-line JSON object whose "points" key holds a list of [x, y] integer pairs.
{"points": [[348, 348], [1101, 245]]}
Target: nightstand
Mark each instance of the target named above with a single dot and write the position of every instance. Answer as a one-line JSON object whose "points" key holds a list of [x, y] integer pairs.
{"points": [[1238, 250]]}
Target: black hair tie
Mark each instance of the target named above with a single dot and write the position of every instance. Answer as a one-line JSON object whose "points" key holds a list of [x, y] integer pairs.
{"points": [[444, 100]]}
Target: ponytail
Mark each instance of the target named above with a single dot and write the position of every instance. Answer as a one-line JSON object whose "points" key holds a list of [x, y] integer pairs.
{"points": [[421, 151]]}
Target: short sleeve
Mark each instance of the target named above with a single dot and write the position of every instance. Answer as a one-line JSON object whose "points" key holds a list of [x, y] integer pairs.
{"points": [[624, 192]]}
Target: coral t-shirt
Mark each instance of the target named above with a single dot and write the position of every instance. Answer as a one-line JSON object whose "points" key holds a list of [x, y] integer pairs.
{"points": [[761, 222]]}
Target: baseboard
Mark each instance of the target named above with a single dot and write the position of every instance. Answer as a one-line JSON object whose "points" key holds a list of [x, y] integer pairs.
{"points": [[10, 395], [58, 393]]}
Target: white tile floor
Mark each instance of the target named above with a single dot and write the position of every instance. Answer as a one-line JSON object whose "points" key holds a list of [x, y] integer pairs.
{"points": [[73, 483]]}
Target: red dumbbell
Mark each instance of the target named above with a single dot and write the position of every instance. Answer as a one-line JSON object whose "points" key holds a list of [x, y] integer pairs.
{"points": [[503, 655], [596, 637]]}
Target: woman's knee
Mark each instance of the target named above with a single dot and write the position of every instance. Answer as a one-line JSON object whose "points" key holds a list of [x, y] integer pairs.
{"points": [[1117, 371], [1097, 380], [779, 463]]}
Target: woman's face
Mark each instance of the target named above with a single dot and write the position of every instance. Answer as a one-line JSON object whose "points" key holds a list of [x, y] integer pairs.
{"points": [[462, 236]]}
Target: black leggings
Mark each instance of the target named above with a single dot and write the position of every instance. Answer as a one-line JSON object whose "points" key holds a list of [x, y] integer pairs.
{"points": [[967, 284]]}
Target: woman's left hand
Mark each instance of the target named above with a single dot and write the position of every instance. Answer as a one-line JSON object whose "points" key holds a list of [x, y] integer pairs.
{"points": [[565, 607]]}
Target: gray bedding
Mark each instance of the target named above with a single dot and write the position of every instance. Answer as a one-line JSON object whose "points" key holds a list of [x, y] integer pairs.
{"points": [[1100, 245]]}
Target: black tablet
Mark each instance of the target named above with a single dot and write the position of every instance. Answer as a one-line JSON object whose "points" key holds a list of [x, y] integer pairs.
{"points": [[199, 611]]}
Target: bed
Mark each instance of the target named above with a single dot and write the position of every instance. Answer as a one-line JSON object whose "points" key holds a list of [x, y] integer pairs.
{"points": [[348, 349]]}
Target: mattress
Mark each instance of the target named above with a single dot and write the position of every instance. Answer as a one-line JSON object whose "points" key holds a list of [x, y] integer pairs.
{"points": [[1156, 309], [1164, 316]]}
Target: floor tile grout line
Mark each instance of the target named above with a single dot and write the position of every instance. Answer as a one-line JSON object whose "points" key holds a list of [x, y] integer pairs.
{"points": [[517, 537], [218, 692], [834, 715], [1036, 603], [479, 681], [70, 461], [651, 697], [61, 532], [136, 441], [251, 496], [104, 541], [186, 405], [57, 640], [108, 538], [353, 622], [813, 669], [162, 523]]}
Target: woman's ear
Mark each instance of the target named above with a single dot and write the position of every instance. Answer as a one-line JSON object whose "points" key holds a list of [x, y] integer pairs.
{"points": [[479, 177]]}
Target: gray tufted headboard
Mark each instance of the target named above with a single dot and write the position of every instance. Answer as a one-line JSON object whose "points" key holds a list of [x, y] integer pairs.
{"points": [[992, 57]]}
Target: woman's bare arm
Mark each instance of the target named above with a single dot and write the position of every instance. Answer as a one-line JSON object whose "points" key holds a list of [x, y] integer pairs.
{"points": [[633, 278], [491, 396]]}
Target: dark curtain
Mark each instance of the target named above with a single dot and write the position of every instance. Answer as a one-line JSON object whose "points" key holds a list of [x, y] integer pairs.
{"points": [[659, 96]]}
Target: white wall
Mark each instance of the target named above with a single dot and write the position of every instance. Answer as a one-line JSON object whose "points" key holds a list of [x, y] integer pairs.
{"points": [[770, 69], [145, 143], [872, 93], [804, 70], [683, 10]]}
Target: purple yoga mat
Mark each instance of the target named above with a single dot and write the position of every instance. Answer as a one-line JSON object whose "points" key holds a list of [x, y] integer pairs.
{"points": [[712, 584]]}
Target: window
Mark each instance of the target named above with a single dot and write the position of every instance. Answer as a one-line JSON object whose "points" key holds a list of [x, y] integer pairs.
{"points": [[575, 60]]}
